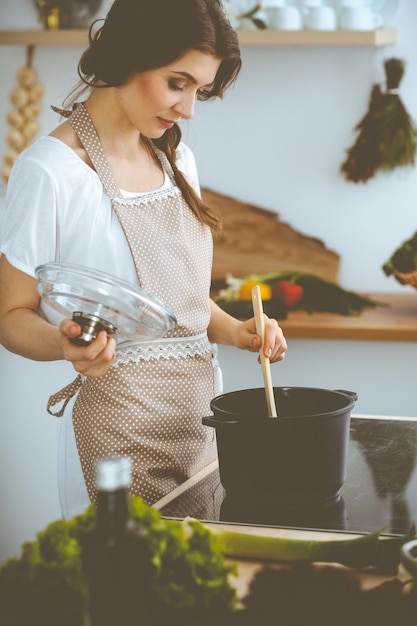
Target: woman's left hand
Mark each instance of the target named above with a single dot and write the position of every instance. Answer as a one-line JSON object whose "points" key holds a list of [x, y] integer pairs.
{"points": [[274, 346], [225, 329]]}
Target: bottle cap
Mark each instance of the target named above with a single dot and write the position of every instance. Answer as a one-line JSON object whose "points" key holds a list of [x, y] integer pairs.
{"points": [[113, 474]]}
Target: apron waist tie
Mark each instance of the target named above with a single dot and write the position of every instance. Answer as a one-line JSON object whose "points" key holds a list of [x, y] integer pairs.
{"points": [[64, 395]]}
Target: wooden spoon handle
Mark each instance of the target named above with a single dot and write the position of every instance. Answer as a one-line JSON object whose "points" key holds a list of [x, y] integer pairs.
{"points": [[265, 363]]}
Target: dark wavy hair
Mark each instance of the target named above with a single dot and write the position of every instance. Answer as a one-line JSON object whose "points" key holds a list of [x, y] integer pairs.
{"points": [[140, 35]]}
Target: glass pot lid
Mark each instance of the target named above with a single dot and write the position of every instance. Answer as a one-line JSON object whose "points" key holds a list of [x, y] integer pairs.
{"points": [[101, 300]]}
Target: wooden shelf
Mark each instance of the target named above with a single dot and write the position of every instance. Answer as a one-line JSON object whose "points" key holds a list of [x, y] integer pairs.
{"points": [[397, 321], [268, 37], [42, 37]]}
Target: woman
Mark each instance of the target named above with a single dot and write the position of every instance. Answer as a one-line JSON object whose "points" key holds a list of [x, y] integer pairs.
{"points": [[113, 188]]}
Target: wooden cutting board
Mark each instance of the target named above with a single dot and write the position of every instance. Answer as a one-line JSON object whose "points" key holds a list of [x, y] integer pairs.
{"points": [[254, 241], [248, 569]]}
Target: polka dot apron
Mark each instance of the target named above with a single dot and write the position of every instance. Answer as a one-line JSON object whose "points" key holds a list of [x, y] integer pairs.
{"points": [[149, 405]]}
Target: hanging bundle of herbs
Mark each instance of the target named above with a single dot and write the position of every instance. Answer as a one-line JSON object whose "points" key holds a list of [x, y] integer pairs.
{"points": [[402, 264], [387, 135]]}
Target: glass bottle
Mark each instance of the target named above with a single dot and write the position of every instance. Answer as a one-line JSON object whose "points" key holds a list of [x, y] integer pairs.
{"points": [[115, 554]]}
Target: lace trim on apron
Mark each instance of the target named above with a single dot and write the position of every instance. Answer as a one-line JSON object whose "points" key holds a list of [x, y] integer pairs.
{"points": [[150, 197], [166, 348], [134, 352]]}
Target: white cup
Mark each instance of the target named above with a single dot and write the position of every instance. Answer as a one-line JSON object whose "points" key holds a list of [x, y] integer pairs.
{"points": [[306, 4], [359, 18], [270, 9], [271, 4], [321, 18], [353, 3], [285, 18]]}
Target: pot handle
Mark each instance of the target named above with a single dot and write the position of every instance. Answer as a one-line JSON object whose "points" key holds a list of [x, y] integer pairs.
{"points": [[352, 394], [409, 556]]}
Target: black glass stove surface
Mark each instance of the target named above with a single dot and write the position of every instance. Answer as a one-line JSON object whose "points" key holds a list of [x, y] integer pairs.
{"points": [[380, 490]]}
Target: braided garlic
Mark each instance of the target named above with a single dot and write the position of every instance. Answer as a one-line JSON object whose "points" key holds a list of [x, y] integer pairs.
{"points": [[26, 98]]}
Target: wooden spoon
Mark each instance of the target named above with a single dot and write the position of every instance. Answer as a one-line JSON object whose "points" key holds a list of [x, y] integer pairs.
{"points": [[265, 363]]}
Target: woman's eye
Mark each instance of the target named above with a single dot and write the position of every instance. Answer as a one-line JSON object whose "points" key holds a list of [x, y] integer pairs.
{"points": [[174, 86]]}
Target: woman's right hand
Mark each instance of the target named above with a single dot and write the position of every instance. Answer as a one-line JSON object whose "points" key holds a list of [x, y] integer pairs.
{"points": [[23, 331], [93, 360]]}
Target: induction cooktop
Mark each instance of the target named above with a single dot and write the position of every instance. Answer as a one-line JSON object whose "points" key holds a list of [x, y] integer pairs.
{"points": [[379, 493]]}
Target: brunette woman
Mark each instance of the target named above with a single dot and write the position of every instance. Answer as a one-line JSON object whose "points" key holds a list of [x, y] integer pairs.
{"points": [[114, 188]]}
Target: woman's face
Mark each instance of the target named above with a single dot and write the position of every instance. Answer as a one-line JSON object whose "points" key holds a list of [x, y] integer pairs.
{"points": [[154, 100]]}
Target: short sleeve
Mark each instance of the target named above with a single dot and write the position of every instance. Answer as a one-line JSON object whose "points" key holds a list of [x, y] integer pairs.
{"points": [[28, 236]]}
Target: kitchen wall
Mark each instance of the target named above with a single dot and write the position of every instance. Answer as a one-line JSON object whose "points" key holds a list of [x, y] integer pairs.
{"points": [[279, 137], [277, 140]]}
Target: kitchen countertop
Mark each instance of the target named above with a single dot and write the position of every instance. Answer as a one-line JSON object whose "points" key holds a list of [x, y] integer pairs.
{"points": [[395, 322]]}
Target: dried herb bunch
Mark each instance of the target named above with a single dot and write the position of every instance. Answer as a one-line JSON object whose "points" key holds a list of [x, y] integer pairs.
{"points": [[387, 135]]}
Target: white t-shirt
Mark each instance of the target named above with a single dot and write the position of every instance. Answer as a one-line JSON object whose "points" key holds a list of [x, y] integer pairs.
{"points": [[57, 210]]}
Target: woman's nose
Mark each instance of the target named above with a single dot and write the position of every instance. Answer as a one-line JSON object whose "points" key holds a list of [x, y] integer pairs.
{"points": [[185, 108]]}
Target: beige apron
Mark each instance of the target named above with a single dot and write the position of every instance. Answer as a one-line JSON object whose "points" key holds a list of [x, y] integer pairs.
{"points": [[149, 405]]}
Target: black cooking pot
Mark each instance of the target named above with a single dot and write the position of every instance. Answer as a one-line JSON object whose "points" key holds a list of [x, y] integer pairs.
{"points": [[298, 458]]}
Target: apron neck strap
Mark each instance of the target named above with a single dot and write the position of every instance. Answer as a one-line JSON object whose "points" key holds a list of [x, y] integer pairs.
{"points": [[85, 130]]}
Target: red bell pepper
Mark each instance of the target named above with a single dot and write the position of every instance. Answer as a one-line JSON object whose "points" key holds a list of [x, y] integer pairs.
{"points": [[288, 292]]}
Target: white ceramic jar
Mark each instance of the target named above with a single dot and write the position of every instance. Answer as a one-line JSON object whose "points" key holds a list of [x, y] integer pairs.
{"points": [[360, 17]]}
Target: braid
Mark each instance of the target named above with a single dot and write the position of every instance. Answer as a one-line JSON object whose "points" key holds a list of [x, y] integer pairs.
{"points": [[168, 143]]}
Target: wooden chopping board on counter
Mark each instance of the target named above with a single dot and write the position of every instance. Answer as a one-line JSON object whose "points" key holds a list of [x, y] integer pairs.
{"points": [[253, 240], [247, 569]]}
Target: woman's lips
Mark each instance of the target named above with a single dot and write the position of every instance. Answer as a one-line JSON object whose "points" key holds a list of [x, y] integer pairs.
{"points": [[166, 123]]}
